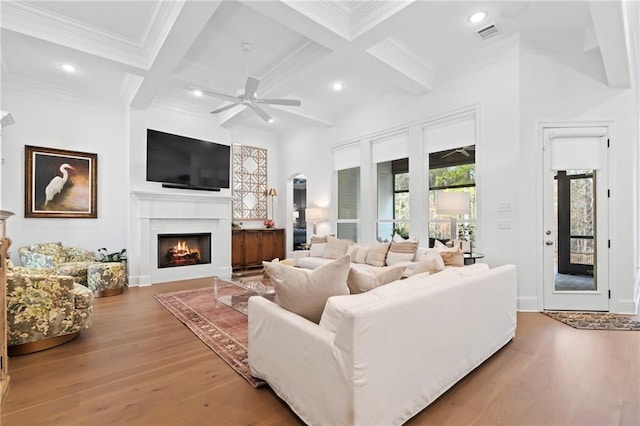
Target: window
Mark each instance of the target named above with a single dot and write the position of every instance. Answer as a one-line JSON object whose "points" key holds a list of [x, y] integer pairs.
{"points": [[393, 199], [348, 203], [452, 170]]}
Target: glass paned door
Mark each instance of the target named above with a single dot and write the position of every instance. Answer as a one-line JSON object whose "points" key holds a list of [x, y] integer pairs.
{"points": [[575, 219]]}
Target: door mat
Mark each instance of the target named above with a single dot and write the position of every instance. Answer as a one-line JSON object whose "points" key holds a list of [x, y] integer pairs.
{"points": [[595, 320]]}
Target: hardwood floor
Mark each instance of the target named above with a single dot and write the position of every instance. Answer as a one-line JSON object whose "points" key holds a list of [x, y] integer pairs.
{"points": [[138, 365]]}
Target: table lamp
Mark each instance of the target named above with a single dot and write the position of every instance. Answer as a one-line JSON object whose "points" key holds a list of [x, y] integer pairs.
{"points": [[315, 215], [454, 204]]}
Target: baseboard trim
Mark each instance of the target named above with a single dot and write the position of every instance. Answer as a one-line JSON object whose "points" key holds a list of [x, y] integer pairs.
{"points": [[528, 304]]}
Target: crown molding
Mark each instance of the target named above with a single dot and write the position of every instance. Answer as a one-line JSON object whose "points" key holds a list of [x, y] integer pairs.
{"points": [[26, 18], [399, 57], [49, 90], [367, 14]]}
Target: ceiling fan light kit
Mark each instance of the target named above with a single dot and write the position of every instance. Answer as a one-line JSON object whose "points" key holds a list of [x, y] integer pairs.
{"points": [[248, 97]]}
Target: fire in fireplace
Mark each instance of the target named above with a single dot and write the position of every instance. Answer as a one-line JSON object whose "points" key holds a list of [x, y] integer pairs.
{"points": [[183, 249]]}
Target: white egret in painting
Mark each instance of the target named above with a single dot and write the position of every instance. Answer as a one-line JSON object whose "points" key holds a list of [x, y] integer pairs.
{"points": [[57, 183]]}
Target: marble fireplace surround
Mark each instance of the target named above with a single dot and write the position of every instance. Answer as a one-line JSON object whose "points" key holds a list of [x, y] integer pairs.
{"points": [[154, 213]]}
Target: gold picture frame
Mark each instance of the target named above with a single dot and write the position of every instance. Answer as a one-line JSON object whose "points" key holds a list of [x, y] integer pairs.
{"points": [[60, 183]]}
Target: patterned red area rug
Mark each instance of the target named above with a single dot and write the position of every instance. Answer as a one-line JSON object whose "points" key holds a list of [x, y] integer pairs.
{"points": [[595, 320], [220, 327]]}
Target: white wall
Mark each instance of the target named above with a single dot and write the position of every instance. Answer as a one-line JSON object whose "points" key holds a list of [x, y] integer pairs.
{"points": [[568, 85], [512, 95], [198, 126], [58, 121]]}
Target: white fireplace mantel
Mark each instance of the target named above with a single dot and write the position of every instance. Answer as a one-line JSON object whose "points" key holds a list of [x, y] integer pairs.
{"points": [[154, 213]]}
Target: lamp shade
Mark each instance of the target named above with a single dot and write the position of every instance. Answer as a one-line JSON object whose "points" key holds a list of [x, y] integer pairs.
{"points": [[453, 202], [315, 214], [272, 192]]}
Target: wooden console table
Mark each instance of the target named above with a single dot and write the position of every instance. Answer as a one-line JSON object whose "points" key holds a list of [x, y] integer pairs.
{"points": [[249, 247]]}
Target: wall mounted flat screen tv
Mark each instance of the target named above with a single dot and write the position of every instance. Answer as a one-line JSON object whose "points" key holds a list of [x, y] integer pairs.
{"points": [[182, 162]]}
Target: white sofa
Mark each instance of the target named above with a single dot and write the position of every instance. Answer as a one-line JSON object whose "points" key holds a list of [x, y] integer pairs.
{"points": [[378, 358]]}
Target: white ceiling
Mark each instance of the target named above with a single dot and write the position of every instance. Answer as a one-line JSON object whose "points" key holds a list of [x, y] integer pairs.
{"points": [[154, 52]]}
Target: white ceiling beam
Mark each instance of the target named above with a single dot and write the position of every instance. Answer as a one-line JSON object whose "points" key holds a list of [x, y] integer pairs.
{"points": [[293, 18], [308, 113], [608, 20], [393, 53], [186, 28]]}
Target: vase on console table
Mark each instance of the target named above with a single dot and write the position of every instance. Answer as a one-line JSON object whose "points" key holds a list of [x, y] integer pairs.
{"points": [[269, 223]]}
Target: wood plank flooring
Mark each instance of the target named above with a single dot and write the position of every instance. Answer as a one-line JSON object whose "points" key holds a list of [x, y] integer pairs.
{"points": [[139, 365]]}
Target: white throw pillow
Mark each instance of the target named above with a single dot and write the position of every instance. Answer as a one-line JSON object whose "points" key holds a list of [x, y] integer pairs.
{"points": [[335, 248], [361, 255], [478, 268], [377, 254], [305, 292], [397, 238], [432, 262], [401, 252], [363, 281], [317, 249]]}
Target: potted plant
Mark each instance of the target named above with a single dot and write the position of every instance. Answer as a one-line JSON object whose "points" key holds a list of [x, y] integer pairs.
{"points": [[118, 256]]}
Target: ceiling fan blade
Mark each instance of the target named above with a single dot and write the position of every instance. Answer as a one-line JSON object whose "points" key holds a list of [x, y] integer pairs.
{"points": [[464, 152], [260, 112], [291, 102], [226, 107], [251, 87], [219, 95], [448, 154]]}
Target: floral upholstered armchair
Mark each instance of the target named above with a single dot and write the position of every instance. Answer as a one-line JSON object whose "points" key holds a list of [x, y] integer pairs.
{"points": [[103, 278], [44, 309]]}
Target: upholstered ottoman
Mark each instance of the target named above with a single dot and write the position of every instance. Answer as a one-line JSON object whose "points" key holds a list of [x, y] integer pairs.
{"points": [[107, 279]]}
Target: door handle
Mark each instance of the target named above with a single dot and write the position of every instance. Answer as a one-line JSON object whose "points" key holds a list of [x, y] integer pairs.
{"points": [[549, 242]]}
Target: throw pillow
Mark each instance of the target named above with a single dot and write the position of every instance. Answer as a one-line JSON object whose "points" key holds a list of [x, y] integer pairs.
{"points": [[377, 254], [361, 255], [452, 256], [305, 292], [363, 281], [317, 249], [401, 252], [431, 262], [335, 248]]}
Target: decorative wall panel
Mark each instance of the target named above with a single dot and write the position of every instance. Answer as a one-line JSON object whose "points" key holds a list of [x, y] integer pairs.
{"points": [[249, 183]]}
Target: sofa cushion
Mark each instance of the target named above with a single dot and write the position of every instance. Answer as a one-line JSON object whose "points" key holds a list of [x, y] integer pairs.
{"points": [[335, 248], [377, 254], [361, 281], [305, 292], [432, 262], [401, 252], [478, 268]]}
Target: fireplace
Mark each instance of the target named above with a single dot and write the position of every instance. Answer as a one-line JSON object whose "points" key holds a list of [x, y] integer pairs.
{"points": [[184, 249]]}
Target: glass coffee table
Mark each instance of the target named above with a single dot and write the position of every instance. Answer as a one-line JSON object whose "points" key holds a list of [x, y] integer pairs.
{"points": [[241, 290]]}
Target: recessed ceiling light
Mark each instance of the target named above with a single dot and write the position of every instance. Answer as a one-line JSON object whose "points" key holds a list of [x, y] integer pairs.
{"points": [[477, 17], [196, 92], [271, 120], [68, 68], [337, 86]]}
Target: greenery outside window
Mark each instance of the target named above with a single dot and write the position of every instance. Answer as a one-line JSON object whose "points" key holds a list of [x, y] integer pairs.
{"points": [[452, 170], [393, 199], [348, 203]]}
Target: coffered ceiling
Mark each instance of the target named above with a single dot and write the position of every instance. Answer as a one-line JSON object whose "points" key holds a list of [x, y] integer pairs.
{"points": [[147, 52]]}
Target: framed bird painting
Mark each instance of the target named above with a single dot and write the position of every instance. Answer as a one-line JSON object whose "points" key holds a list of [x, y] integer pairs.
{"points": [[60, 183]]}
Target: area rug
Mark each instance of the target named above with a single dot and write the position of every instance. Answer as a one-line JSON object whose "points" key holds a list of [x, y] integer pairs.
{"points": [[220, 327], [595, 320]]}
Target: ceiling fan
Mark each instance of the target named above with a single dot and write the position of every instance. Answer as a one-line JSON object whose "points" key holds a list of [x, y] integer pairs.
{"points": [[249, 98], [464, 151]]}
